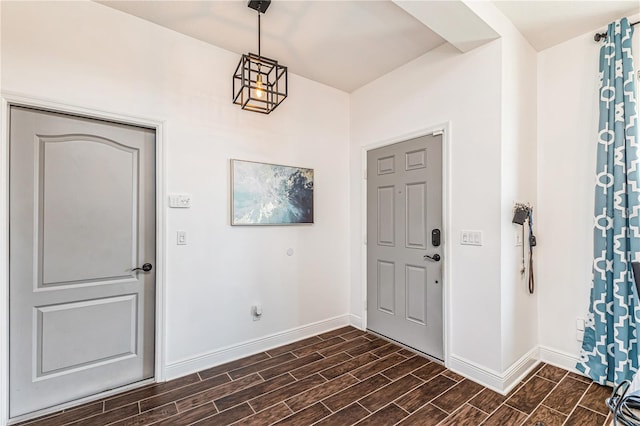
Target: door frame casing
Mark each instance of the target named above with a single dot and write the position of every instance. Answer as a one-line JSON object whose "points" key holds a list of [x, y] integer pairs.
{"points": [[7, 100], [445, 130]]}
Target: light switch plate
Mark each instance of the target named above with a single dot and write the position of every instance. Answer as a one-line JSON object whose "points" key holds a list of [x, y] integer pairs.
{"points": [[518, 238], [180, 201], [471, 238], [181, 238]]}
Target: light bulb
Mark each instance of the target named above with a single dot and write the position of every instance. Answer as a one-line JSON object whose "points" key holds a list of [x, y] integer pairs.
{"points": [[259, 87]]}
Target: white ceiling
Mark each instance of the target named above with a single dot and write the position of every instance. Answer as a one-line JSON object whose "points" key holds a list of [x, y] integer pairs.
{"points": [[550, 22], [347, 44], [344, 44]]}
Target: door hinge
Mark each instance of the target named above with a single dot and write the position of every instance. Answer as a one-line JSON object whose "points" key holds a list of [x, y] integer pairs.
{"points": [[364, 174]]}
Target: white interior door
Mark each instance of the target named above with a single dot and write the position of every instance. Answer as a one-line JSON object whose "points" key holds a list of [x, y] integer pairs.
{"points": [[81, 217], [404, 243]]}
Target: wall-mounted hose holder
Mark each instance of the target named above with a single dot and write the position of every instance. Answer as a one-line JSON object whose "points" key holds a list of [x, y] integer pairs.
{"points": [[523, 212]]}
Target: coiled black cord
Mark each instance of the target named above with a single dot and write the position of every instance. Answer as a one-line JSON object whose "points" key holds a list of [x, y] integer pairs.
{"points": [[532, 244], [621, 405]]}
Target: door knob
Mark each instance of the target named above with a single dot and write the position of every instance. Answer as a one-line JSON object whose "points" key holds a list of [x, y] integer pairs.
{"points": [[435, 257], [146, 267]]}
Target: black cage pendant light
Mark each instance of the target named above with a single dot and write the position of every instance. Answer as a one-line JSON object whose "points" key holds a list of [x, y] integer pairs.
{"points": [[259, 83]]}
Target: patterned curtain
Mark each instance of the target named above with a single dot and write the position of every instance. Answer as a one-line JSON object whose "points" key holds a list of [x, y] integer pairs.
{"points": [[609, 352]]}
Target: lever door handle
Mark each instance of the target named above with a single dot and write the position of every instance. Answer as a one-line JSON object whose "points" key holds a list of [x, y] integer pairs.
{"points": [[146, 268], [435, 257]]}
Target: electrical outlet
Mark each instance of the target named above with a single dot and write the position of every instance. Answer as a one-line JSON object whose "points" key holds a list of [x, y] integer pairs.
{"points": [[579, 329], [256, 312]]}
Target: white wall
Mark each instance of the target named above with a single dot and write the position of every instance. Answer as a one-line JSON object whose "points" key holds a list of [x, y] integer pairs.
{"points": [[88, 55], [445, 85], [568, 83], [519, 308], [519, 184]]}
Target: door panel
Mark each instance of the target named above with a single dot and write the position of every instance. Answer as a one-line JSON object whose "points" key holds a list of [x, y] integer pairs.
{"points": [[107, 332], [416, 229], [72, 202], [386, 287], [416, 159], [81, 217], [386, 216], [416, 280], [404, 206], [386, 165]]}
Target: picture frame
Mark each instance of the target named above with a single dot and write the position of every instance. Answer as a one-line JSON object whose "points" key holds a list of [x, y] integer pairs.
{"points": [[271, 194]]}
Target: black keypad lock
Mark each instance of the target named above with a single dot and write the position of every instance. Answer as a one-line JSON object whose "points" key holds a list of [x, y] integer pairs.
{"points": [[435, 237]]}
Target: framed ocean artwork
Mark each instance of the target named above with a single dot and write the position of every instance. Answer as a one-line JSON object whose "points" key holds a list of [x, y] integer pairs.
{"points": [[270, 194]]}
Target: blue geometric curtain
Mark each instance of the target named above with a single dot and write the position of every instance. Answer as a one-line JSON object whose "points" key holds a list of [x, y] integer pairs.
{"points": [[609, 352]]}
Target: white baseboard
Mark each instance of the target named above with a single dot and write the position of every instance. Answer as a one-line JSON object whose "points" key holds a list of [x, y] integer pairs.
{"points": [[520, 369], [355, 321], [559, 358], [230, 353], [499, 382], [479, 374]]}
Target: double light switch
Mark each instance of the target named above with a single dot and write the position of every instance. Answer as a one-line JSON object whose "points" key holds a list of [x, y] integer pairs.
{"points": [[471, 238]]}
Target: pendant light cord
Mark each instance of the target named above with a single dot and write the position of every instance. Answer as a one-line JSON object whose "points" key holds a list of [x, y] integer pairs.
{"points": [[259, 54]]}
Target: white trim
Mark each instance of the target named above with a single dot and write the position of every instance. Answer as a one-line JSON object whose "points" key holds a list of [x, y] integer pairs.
{"points": [[443, 129], [9, 98], [559, 358], [356, 321], [499, 382], [447, 280], [52, 105], [162, 229], [519, 369], [250, 347], [4, 262]]}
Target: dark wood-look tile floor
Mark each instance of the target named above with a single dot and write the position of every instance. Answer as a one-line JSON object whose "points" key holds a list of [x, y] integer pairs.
{"points": [[345, 377]]}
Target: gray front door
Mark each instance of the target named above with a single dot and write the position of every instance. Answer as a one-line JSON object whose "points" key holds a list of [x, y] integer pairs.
{"points": [[81, 217], [404, 214]]}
